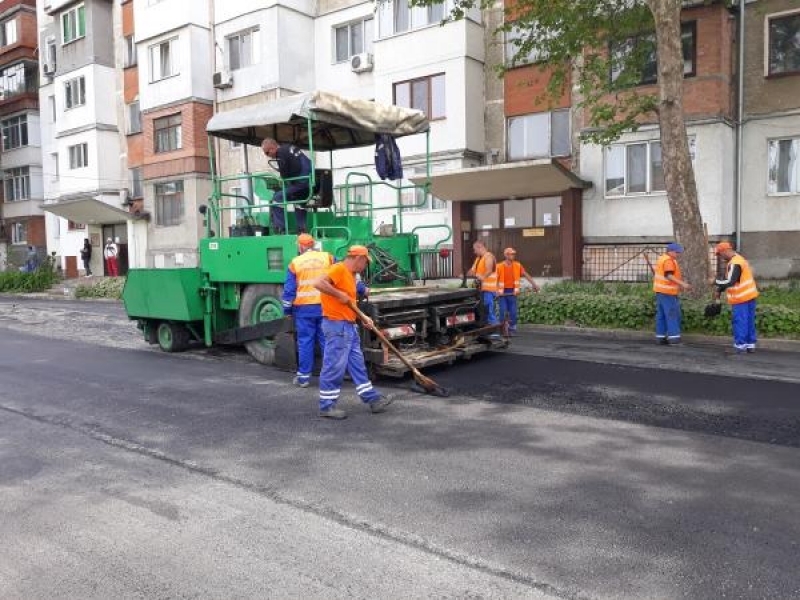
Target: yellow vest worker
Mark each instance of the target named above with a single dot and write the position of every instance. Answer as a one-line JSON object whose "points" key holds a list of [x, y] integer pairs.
{"points": [[667, 284], [740, 288], [509, 280]]}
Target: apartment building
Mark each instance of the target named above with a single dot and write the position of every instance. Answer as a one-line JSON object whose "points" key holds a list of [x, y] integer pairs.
{"points": [[22, 221], [769, 215], [81, 145]]}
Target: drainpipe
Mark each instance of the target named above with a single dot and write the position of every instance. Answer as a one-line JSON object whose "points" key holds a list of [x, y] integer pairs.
{"points": [[739, 130]]}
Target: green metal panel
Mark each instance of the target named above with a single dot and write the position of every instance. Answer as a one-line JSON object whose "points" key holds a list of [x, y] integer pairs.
{"points": [[171, 294], [251, 259]]}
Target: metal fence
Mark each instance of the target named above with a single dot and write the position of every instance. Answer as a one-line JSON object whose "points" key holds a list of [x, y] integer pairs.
{"points": [[626, 262], [436, 266]]}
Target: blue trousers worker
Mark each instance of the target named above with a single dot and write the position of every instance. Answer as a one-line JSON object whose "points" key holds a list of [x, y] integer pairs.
{"points": [[308, 326], [743, 323], [668, 319], [508, 306], [488, 303], [343, 353]]}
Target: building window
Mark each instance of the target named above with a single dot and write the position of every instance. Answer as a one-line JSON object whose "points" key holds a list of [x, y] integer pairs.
{"points": [[15, 132], [169, 203], [137, 190], [784, 45], [17, 184], [54, 162], [539, 135], [134, 118], [425, 94], [18, 79], [514, 38], [19, 233], [351, 39], [130, 51], [73, 24], [634, 168], [784, 166], [75, 92], [620, 51], [8, 32], [244, 49], [168, 133], [398, 16], [164, 59], [51, 101], [79, 156]]}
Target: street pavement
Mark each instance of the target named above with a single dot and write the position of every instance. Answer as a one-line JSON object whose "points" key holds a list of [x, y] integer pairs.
{"points": [[575, 466]]}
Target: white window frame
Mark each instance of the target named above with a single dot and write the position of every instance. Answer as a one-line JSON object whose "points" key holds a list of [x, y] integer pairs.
{"points": [[772, 146], [137, 183], [134, 118], [17, 184], [367, 39], [130, 51], [74, 92], [72, 15], [78, 156], [238, 39], [14, 127], [54, 159], [19, 233], [155, 53], [510, 49], [419, 17], [429, 81], [171, 132], [649, 178], [550, 146], [767, 42], [161, 193], [8, 32]]}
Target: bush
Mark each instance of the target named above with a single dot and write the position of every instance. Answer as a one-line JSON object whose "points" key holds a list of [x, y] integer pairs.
{"points": [[109, 287], [632, 306], [43, 278]]}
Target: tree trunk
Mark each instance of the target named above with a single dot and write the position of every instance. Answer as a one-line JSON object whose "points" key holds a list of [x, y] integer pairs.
{"points": [[679, 178]]}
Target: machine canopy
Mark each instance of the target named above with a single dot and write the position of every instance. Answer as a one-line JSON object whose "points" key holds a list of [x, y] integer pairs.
{"points": [[336, 122]]}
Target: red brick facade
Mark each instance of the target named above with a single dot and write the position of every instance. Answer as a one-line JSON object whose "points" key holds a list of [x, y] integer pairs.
{"points": [[193, 155]]}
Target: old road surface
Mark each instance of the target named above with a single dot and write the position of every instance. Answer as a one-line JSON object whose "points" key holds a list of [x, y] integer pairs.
{"points": [[566, 468]]}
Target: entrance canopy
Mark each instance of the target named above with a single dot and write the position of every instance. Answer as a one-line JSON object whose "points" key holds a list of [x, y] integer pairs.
{"points": [[544, 177], [88, 210]]}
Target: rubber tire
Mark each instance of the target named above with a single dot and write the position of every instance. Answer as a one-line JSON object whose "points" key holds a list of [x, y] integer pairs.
{"points": [[261, 302], [172, 337]]}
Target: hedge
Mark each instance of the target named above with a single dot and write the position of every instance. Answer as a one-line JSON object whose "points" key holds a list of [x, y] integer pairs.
{"points": [[108, 287], [40, 280]]}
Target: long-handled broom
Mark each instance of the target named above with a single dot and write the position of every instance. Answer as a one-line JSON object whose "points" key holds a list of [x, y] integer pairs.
{"points": [[426, 383]]}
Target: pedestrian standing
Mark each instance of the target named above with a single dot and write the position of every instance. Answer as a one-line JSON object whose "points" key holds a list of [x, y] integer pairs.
{"points": [[301, 300], [110, 253], [667, 285], [484, 271], [510, 273], [295, 170], [86, 256], [342, 341], [741, 292], [31, 260]]}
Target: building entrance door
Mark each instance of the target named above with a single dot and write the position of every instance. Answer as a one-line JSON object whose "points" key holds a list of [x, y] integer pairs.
{"points": [[119, 233]]}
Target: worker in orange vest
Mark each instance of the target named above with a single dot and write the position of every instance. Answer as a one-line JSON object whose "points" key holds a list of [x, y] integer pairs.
{"points": [[484, 271], [667, 284], [301, 300], [510, 273], [741, 291]]}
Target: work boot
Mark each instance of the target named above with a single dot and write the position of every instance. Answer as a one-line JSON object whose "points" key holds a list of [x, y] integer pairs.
{"points": [[380, 405], [298, 383], [333, 413]]}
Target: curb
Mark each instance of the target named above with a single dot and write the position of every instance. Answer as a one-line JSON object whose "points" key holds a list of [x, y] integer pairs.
{"points": [[778, 344]]}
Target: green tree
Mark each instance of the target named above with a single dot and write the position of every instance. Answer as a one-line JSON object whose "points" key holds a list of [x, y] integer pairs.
{"points": [[605, 50]]}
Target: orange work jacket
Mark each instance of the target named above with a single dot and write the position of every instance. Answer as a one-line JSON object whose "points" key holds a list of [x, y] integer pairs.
{"points": [[510, 274], [661, 284], [746, 289], [308, 267], [489, 283]]}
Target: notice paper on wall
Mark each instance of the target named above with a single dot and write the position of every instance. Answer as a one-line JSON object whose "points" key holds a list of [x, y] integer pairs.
{"points": [[547, 219], [510, 221]]}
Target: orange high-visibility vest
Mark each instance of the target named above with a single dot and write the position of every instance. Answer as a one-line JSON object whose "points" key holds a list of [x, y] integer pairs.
{"points": [[308, 267], [661, 284], [515, 271], [489, 284], [746, 289]]}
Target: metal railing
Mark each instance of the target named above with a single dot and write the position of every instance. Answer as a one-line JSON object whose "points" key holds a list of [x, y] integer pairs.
{"points": [[626, 263], [435, 264]]}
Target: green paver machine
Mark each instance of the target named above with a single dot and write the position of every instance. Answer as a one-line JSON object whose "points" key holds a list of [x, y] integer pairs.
{"points": [[234, 296]]}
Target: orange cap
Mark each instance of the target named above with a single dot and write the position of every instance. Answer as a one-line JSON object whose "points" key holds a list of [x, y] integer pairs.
{"points": [[722, 246], [359, 251], [304, 240], [509, 252]]}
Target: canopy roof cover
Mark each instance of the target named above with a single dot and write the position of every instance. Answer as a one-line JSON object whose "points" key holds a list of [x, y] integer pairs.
{"points": [[337, 122]]}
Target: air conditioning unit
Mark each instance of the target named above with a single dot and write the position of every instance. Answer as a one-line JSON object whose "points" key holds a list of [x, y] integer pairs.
{"points": [[223, 79], [49, 69], [125, 197], [361, 62]]}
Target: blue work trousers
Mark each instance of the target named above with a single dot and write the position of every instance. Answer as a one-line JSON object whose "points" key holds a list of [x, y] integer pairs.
{"points": [[488, 304], [743, 323], [668, 318], [309, 334], [508, 306], [293, 192], [343, 353]]}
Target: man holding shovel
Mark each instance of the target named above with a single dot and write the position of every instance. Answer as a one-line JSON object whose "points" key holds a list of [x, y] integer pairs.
{"points": [[510, 273], [667, 284], [741, 291], [342, 342]]}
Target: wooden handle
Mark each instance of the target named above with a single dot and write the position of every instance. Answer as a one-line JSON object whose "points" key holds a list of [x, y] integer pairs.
{"points": [[380, 335]]}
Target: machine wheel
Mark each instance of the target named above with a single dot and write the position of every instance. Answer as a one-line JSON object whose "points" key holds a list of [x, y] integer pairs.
{"points": [[172, 337], [261, 302]]}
